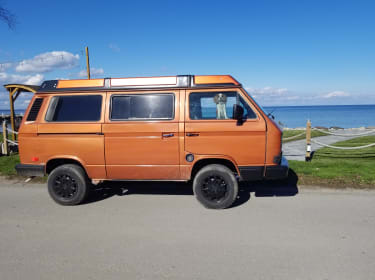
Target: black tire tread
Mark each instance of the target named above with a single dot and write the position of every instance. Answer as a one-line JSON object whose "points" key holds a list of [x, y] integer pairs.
{"points": [[80, 173], [231, 180]]}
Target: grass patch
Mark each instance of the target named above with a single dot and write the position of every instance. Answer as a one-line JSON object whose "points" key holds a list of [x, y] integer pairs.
{"points": [[7, 164], [345, 168], [290, 133]]}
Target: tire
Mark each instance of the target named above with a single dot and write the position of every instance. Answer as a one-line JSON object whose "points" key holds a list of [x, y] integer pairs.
{"points": [[68, 184], [215, 186]]}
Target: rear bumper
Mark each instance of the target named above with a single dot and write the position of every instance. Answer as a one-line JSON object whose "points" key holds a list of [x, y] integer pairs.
{"points": [[30, 170], [273, 172]]}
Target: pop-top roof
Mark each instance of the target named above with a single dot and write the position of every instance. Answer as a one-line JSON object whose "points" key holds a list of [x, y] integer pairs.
{"points": [[181, 81]]}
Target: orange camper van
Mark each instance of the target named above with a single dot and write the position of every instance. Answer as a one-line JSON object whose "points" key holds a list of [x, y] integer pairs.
{"points": [[206, 129]]}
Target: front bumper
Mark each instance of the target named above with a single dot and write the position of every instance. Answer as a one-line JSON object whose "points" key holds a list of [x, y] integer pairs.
{"points": [[277, 171], [30, 170], [273, 172]]}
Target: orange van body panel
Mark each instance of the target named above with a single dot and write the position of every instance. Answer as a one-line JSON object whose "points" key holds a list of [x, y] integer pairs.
{"points": [[88, 149], [27, 132], [274, 134], [245, 143], [187, 167], [215, 79], [79, 141], [273, 147], [137, 150], [140, 150], [80, 83]]}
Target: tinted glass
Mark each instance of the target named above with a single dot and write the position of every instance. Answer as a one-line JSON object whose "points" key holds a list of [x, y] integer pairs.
{"points": [[145, 106], [75, 108], [35, 109], [216, 105], [248, 112]]}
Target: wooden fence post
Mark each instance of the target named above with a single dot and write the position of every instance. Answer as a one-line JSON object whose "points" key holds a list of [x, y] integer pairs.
{"points": [[5, 138], [308, 141]]}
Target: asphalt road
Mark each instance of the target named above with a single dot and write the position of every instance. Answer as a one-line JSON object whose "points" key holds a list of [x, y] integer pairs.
{"points": [[153, 232]]}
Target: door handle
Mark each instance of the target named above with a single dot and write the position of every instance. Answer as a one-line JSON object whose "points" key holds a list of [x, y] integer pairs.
{"points": [[166, 135], [189, 134]]}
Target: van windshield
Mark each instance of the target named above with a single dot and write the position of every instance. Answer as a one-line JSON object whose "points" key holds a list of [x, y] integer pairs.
{"points": [[260, 107]]}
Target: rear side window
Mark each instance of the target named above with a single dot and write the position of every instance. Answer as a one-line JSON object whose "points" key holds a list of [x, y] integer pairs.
{"points": [[34, 110], [142, 106], [84, 108]]}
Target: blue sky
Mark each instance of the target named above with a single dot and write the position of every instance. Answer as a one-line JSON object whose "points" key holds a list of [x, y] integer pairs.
{"points": [[283, 52]]}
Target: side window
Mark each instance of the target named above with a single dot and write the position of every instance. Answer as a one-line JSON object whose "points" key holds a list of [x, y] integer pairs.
{"points": [[142, 106], [216, 105], [84, 108]]}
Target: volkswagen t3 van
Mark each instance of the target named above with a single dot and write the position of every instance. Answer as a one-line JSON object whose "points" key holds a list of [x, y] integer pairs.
{"points": [[206, 129]]}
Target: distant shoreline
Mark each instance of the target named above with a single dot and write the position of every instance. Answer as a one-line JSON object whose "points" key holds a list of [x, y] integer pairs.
{"points": [[284, 106], [333, 128], [294, 117]]}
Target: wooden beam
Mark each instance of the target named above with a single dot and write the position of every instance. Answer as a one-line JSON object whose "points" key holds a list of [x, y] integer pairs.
{"points": [[308, 141], [88, 63], [12, 117], [15, 96], [5, 138]]}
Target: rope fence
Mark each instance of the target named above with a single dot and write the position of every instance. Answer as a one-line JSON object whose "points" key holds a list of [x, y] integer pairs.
{"points": [[310, 140], [12, 142], [342, 148], [7, 144], [345, 135], [295, 136], [12, 131]]}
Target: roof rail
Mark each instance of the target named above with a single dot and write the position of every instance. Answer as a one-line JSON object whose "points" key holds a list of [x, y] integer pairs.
{"points": [[179, 81]]}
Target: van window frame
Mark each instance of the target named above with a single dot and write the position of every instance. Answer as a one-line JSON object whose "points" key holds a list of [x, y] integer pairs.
{"points": [[142, 119], [239, 93], [50, 104]]}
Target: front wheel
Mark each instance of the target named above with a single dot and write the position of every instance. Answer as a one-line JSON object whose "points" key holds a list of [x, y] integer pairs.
{"points": [[215, 186], [68, 184]]}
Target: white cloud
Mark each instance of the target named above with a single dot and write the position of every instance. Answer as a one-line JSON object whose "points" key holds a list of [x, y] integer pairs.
{"points": [[34, 80], [21, 79], [114, 47], [93, 72], [5, 66], [336, 93], [48, 61], [21, 102], [293, 97], [269, 91]]}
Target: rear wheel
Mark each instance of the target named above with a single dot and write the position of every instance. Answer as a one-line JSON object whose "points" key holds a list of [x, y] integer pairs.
{"points": [[68, 184], [215, 186]]}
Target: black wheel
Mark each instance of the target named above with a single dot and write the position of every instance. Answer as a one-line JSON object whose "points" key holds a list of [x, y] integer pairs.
{"points": [[215, 186], [68, 184]]}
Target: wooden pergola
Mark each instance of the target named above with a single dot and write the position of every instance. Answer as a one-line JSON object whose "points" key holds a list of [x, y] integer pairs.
{"points": [[14, 92]]}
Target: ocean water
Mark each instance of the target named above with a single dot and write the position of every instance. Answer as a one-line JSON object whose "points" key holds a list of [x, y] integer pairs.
{"points": [[345, 116], [17, 111]]}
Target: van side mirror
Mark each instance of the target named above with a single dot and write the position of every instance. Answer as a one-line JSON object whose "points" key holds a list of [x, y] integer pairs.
{"points": [[237, 112]]}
